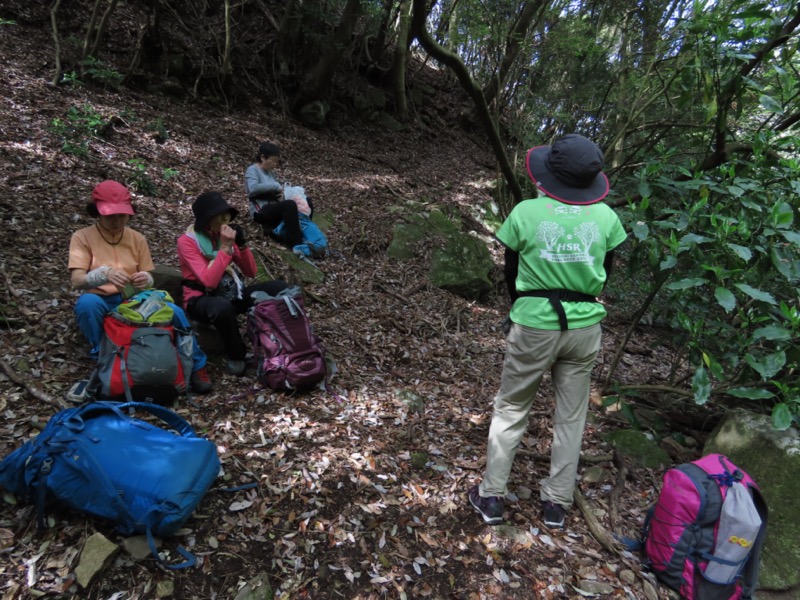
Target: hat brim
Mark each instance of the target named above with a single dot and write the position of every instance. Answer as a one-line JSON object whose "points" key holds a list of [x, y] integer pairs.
{"points": [[113, 208], [557, 189]]}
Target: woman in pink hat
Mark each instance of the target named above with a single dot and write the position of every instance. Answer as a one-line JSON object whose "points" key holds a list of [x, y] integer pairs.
{"points": [[108, 260]]}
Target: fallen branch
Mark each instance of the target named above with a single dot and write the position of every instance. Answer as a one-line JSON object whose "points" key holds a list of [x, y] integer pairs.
{"points": [[619, 487], [389, 291], [595, 528], [33, 391]]}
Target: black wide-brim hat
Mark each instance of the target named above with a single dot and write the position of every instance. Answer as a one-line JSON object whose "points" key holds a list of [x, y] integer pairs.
{"points": [[570, 171], [207, 206]]}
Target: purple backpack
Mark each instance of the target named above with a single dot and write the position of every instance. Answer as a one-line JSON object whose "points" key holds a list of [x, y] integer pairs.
{"points": [[703, 537], [288, 355]]}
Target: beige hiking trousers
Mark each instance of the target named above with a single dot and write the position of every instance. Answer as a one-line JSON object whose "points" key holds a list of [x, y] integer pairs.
{"points": [[569, 356]]}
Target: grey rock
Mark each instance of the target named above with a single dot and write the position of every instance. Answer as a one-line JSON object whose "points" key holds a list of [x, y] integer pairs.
{"points": [[97, 552]]}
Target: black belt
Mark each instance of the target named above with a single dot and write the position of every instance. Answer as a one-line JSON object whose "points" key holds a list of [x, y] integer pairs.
{"points": [[556, 297]]}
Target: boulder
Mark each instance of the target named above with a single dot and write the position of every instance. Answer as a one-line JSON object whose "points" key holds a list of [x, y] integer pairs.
{"points": [[462, 267], [168, 279], [460, 263], [772, 459]]}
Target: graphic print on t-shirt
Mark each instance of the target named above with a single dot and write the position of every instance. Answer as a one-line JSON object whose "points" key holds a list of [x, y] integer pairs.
{"points": [[563, 247]]}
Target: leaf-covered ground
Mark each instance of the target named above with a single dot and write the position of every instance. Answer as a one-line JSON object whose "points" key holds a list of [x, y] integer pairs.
{"points": [[361, 490]]}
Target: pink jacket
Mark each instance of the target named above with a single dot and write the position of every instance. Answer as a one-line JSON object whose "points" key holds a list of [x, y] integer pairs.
{"points": [[196, 267]]}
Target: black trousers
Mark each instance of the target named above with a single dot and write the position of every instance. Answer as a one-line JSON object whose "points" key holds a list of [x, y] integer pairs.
{"points": [[221, 314], [273, 213]]}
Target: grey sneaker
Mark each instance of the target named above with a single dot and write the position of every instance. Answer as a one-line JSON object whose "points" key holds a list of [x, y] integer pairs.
{"points": [[234, 367], [490, 508], [554, 515], [78, 393], [200, 381]]}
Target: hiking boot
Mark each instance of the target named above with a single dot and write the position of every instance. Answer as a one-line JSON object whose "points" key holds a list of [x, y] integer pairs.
{"points": [[234, 367], [200, 381], [554, 515], [491, 508], [78, 393]]}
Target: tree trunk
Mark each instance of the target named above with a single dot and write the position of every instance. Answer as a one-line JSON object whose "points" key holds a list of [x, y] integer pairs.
{"points": [[399, 64], [101, 30], [452, 61], [515, 37], [376, 48], [226, 54], [56, 43], [319, 81], [89, 29]]}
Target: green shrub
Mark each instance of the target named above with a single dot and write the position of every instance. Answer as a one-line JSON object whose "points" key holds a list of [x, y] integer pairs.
{"points": [[140, 180], [78, 128]]}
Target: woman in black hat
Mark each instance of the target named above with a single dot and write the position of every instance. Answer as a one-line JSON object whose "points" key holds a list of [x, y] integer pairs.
{"points": [[558, 255], [215, 260]]}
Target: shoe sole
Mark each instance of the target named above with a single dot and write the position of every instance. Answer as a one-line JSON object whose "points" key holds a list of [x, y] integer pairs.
{"points": [[489, 520], [554, 525]]}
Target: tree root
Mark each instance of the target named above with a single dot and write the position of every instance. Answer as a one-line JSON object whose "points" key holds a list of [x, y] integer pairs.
{"points": [[33, 391], [619, 486], [595, 528]]}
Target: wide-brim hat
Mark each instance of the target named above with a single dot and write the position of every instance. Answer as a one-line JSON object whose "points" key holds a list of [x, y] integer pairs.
{"points": [[207, 206], [570, 171], [112, 198]]}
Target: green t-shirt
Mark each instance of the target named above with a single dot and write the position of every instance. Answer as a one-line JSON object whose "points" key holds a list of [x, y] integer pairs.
{"points": [[560, 246]]}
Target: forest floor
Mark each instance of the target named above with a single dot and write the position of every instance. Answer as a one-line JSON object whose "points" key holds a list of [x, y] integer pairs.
{"points": [[341, 509]]}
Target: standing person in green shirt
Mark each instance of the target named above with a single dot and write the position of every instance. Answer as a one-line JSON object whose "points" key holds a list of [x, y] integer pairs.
{"points": [[559, 251]]}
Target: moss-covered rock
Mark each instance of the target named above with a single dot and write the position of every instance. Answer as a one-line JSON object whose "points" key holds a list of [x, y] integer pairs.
{"points": [[462, 267], [460, 263], [772, 459], [639, 447], [305, 272]]}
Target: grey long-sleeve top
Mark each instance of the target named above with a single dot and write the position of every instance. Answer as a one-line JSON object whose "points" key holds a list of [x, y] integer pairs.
{"points": [[260, 183]]}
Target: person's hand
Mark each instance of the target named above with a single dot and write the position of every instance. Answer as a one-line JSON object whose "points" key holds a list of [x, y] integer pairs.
{"points": [[141, 280], [118, 277], [227, 235], [240, 240]]}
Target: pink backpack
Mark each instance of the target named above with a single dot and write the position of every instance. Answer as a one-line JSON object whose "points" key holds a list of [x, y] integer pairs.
{"points": [[703, 538], [289, 356]]}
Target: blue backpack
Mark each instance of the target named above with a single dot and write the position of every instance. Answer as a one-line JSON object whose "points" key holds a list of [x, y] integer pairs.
{"points": [[98, 459]]}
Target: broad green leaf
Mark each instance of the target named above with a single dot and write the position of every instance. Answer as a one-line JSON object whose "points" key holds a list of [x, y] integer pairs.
{"points": [[640, 230], [772, 332], [735, 191], [784, 215], [693, 238], [741, 251], [725, 298], [668, 263], [750, 393], [684, 284], [785, 263], [781, 417], [770, 104], [756, 294], [644, 189], [610, 400], [767, 366], [752, 205], [665, 224], [791, 236], [701, 385]]}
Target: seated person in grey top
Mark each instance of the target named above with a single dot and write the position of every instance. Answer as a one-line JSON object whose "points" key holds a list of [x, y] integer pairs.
{"points": [[268, 207]]}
